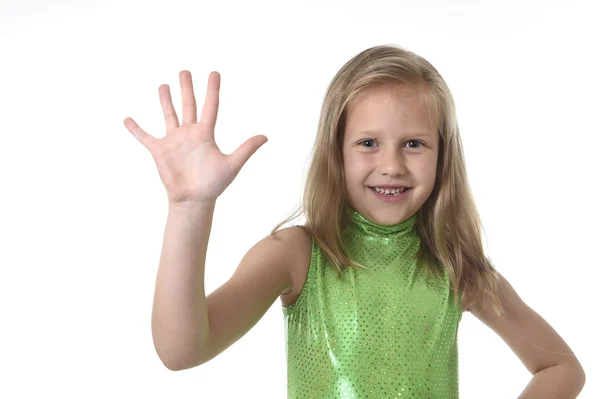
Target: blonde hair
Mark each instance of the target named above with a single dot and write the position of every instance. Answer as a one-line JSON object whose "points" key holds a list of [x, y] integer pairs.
{"points": [[448, 223]]}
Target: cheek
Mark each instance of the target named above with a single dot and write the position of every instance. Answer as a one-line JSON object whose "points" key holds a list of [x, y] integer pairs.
{"points": [[429, 173], [356, 170], [428, 165]]}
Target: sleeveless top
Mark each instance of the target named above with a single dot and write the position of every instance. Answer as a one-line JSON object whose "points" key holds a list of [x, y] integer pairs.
{"points": [[387, 332]]}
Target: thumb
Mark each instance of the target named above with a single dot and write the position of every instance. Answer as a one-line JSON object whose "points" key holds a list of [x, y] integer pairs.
{"points": [[245, 151]]}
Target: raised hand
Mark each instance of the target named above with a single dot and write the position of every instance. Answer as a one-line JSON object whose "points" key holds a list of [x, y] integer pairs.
{"points": [[190, 164]]}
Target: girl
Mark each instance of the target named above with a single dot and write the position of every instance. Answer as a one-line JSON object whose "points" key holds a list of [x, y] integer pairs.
{"points": [[374, 285]]}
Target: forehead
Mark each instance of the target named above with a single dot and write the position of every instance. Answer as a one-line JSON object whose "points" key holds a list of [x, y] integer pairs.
{"points": [[391, 109]]}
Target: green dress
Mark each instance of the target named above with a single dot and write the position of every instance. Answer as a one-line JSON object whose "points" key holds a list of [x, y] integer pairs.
{"points": [[388, 332]]}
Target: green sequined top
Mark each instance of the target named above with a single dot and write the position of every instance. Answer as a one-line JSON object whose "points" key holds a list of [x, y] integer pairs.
{"points": [[388, 332]]}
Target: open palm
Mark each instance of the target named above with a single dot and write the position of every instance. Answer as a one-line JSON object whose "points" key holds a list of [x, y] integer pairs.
{"points": [[189, 162]]}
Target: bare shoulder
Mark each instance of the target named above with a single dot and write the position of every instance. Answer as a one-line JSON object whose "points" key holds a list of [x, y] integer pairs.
{"points": [[299, 242], [266, 271], [283, 252]]}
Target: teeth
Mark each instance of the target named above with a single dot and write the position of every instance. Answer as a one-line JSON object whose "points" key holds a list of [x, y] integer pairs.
{"points": [[387, 191]]}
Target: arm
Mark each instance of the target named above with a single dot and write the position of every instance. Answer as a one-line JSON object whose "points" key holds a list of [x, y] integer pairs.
{"points": [[556, 370], [562, 381], [195, 173], [179, 314], [189, 328]]}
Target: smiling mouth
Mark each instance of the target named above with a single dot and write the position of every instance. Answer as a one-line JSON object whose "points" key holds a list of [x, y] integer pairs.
{"points": [[394, 193]]}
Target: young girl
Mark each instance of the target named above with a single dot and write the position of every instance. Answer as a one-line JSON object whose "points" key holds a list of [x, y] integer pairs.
{"points": [[374, 285]]}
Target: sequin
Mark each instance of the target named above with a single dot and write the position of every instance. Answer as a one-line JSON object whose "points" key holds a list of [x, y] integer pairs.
{"points": [[388, 332]]}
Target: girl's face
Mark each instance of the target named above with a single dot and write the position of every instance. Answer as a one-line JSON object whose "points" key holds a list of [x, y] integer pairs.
{"points": [[389, 140]]}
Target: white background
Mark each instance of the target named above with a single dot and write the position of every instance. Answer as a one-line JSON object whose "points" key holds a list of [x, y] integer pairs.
{"points": [[83, 210]]}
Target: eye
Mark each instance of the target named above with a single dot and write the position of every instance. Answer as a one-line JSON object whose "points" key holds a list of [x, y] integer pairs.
{"points": [[373, 141], [415, 141], [366, 141]]}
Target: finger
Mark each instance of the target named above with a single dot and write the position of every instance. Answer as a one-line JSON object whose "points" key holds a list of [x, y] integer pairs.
{"points": [[188, 99], [143, 137], [171, 121], [211, 102], [239, 158]]}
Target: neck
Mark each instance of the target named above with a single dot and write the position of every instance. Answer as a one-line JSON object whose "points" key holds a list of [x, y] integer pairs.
{"points": [[359, 224]]}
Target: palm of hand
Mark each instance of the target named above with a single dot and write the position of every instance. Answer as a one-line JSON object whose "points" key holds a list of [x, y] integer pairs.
{"points": [[190, 164]]}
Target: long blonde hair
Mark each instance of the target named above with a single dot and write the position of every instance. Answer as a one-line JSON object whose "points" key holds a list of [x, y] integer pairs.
{"points": [[448, 223]]}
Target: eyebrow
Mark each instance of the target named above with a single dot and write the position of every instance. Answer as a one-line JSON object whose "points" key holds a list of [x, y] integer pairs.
{"points": [[420, 133]]}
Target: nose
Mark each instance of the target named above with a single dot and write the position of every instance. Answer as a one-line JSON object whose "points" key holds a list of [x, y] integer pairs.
{"points": [[392, 163]]}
